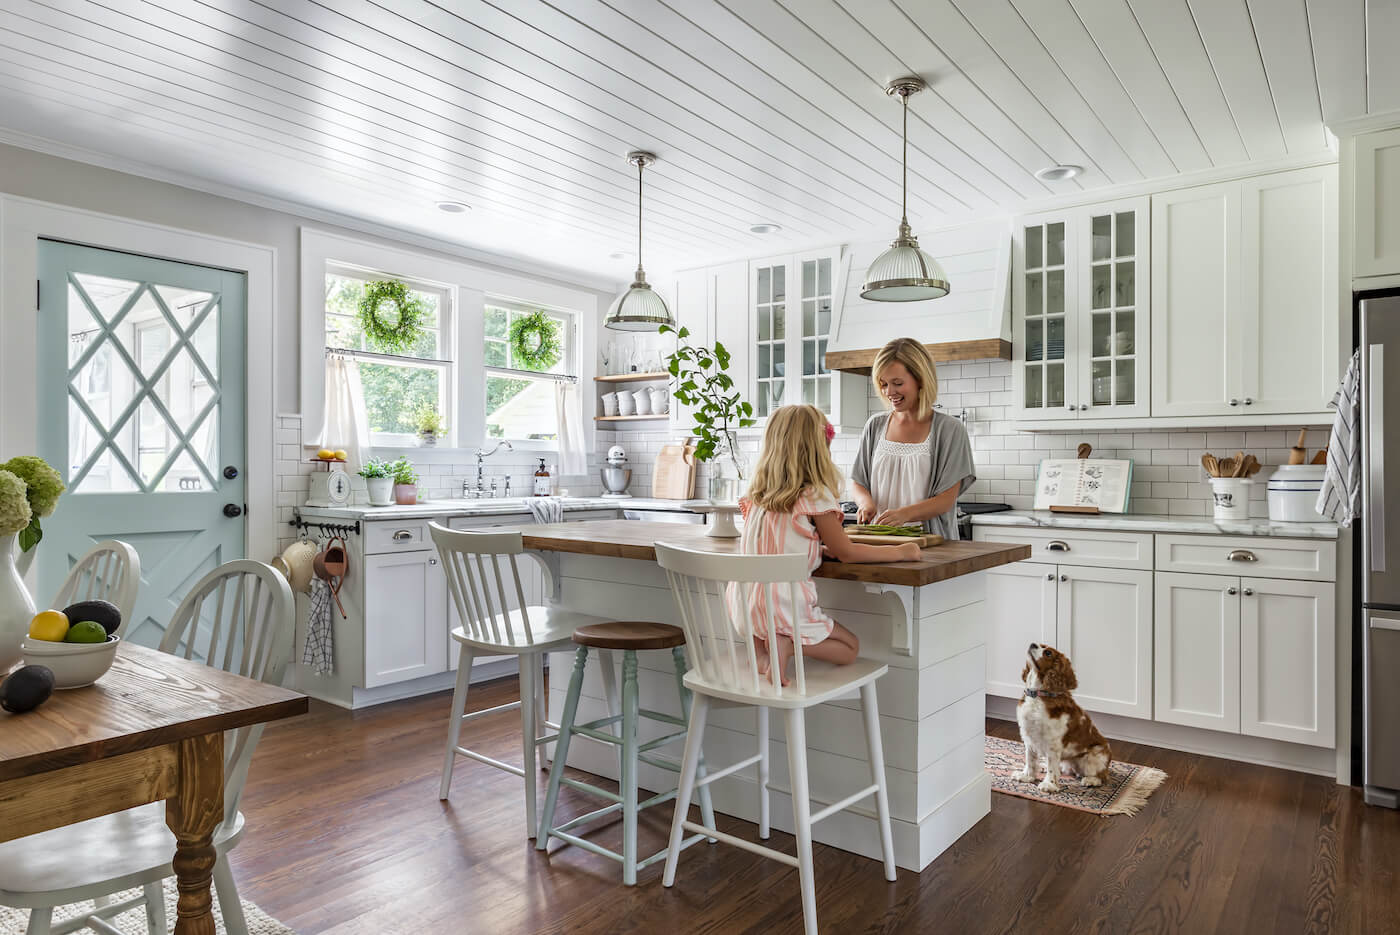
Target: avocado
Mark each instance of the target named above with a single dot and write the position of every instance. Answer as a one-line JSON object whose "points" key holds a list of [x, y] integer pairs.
{"points": [[26, 689], [104, 612]]}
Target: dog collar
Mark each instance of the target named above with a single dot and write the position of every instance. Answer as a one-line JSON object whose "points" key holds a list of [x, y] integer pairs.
{"points": [[1041, 693]]}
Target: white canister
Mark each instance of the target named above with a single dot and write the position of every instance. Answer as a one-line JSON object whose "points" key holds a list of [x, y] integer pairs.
{"points": [[1231, 496], [626, 405], [609, 404], [642, 400], [1293, 491], [660, 400]]}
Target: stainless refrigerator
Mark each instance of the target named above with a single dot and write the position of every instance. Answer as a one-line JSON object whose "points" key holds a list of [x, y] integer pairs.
{"points": [[1380, 546]]}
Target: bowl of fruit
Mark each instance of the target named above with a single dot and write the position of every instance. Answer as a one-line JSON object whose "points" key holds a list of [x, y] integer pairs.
{"points": [[77, 643]]}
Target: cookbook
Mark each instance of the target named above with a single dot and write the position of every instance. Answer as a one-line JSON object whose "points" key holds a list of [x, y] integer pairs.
{"points": [[1101, 483]]}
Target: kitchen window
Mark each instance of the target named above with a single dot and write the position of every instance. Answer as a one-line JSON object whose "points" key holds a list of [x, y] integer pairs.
{"points": [[398, 385], [520, 403]]}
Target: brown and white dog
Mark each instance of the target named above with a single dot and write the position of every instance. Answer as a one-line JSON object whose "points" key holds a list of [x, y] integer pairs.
{"points": [[1053, 726]]}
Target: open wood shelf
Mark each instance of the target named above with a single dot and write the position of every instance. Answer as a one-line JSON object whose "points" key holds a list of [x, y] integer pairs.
{"points": [[632, 377], [634, 418]]}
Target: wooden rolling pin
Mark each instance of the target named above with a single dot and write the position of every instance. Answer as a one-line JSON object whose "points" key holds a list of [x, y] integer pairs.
{"points": [[1299, 454]]}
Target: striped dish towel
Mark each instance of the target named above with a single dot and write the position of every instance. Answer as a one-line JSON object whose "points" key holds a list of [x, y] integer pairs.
{"points": [[1340, 497], [546, 509]]}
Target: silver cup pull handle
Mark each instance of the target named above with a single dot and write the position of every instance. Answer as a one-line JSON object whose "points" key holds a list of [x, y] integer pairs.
{"points": [[1057, 545], [1242, 555], [403, 535]]}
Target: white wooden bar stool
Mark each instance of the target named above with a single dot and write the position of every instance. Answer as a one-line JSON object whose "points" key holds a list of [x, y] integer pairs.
{"points": [[726, 674], [629, 638], [483, 595]]}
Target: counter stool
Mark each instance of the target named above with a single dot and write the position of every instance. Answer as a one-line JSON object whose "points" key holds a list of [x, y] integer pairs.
{"points": [[629, 638]]}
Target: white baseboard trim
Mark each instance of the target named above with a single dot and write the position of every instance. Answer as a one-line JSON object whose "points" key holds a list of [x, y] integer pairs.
{"points": [[482, 671], [1321, 761]]}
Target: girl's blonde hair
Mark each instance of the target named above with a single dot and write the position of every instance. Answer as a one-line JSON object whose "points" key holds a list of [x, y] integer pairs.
{"points": [[795, 457], [917, 360]]}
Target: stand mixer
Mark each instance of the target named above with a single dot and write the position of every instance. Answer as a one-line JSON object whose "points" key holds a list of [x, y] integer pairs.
{"points": [[616, 474]]}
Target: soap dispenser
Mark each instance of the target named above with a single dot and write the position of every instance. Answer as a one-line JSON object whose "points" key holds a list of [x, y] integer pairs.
{"points": [[542, 480]]}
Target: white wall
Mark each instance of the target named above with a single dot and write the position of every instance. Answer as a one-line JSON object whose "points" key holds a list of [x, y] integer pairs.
{"points": [[42, 177]]}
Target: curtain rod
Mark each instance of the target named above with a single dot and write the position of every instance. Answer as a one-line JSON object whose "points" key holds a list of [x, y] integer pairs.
{"points": [[530, 375], [388, 358]]}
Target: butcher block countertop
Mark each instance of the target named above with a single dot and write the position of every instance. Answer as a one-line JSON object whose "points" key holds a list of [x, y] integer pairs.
{"points": [[626, 539]]}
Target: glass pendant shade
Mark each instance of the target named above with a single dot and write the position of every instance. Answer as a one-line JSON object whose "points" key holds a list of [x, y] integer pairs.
{"points": [[904, 273], [639, 308]]}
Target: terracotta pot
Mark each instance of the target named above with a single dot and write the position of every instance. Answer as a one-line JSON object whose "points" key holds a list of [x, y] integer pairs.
{"points": [[406, 494]]}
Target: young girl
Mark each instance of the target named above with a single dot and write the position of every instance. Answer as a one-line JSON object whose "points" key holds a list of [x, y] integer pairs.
{"points": [[792, 506]]}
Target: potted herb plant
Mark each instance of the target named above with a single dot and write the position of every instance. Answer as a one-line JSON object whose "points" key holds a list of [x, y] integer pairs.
{"points": [[379, 477], [703, 382], [430, 426], [405, 482]]}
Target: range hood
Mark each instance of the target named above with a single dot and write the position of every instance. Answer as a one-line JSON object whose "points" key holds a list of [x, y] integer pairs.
{"points": [[972, 322]]}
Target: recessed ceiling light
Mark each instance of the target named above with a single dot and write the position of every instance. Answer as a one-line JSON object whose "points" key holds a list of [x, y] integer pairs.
{"points": [[1058, 173], [621, 255], [453, 207], [765, 228]]}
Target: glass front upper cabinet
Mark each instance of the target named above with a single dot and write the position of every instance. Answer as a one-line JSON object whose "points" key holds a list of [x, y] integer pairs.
{"points": [[1044, 322], [791, 304]]}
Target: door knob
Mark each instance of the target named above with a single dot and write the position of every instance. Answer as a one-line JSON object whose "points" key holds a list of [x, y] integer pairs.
{"points": [[232, 509], [1232, 591], [230, 472]]}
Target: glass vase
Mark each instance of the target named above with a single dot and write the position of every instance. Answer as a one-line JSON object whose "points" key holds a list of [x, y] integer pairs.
{"points": [[729, 470]]}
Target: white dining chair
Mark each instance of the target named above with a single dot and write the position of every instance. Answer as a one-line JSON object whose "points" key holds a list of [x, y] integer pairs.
{"points": [[239, 618], [483, 580], [110, 571], [724, 673]]}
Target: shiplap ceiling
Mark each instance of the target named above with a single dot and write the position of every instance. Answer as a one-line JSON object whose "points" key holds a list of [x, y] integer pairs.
{"points": [[761, 110]]}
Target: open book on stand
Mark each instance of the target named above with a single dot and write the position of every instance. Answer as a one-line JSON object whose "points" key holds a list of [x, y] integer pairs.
{"points": [[1084, 485]]}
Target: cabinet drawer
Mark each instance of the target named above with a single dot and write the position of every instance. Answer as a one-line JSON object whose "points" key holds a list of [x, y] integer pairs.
{"points": [[1300, 559], [1100, 549], [406, 536]]}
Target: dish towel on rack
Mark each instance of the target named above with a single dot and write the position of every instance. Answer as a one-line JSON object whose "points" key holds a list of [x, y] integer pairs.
{"points": [[319, 652], [1340, 496], [546, 509]]}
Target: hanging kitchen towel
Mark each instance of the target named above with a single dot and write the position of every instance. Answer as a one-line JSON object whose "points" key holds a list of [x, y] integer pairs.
{"points": [[573, 458], [1340, 496], [546, 509], [319, 652]]}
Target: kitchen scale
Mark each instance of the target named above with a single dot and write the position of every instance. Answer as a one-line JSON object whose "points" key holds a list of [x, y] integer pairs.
{"points": [[330, 487]]}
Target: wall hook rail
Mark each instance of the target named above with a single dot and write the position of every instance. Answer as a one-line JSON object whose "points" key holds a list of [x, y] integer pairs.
{"points": [[330, 529]]}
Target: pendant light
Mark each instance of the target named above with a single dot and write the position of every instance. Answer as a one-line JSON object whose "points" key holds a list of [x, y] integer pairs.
{"points": [[904, 273], [639, 308]]}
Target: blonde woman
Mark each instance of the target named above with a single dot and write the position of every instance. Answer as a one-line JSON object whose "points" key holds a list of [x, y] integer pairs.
{"points": [[791, 506], [913, 461]]}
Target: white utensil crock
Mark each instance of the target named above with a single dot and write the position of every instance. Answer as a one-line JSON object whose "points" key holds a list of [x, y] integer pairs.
{"points": [[1231, 496]]}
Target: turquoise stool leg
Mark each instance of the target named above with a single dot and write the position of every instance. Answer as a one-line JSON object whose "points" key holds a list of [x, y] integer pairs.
{"points": [[707, 810], [629, 768], [561, 749]]}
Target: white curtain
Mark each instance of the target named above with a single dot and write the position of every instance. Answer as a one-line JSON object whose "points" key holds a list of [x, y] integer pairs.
{"points": [[573, 458], [345, 424]]}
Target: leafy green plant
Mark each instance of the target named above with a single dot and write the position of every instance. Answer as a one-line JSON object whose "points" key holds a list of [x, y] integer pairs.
{"points": [[429, 422], [702, 381], [403, 472], [394, 331], [375, 467]]}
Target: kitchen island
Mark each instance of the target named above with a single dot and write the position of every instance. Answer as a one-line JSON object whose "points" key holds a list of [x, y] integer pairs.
{"points": [[924, 619]]}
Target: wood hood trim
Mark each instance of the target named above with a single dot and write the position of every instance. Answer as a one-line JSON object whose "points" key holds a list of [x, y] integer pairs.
{"points": [[985, 349]]}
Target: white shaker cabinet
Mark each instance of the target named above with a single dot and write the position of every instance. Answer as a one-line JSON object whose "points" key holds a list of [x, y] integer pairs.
{"points": [[1245, 296], [1104, 625], [1197, 660], [1376, 216], [1288, 653], [405, 617], [1020, 610]]}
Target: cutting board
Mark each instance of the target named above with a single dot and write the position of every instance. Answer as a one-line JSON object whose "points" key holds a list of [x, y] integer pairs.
{"points": [[673, 475], [927, 541]]}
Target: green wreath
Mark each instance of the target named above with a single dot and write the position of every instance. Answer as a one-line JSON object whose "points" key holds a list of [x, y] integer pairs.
{"points": [[534, 341], [399, 333]]}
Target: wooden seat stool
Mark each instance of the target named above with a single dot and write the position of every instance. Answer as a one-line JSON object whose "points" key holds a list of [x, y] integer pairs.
{"points": [[629, 637]]}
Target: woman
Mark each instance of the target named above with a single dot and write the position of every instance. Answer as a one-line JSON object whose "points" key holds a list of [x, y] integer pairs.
{"points": [[913, 462]]}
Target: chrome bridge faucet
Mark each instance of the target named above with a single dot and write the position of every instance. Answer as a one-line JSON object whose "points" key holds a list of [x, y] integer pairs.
{"points": [[479, 491]]}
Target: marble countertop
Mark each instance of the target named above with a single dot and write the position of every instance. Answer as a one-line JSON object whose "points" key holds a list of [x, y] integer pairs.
{"points": [[500, 507], [1149, 522]]}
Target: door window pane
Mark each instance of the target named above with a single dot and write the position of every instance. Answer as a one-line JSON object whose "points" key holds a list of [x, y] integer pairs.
{"points": [[1126, 244], [1055, 292], [824, 276], [1102, 238], [1034, 247], [1035, 339], [1055, 244], [1035, 392], [1125, 383], [763, 362], [809, 317], [1103, 383], [1102, 334], [1055, 339], [779, 323], [1035, 294], [1125, 287], [1125, 336], [1102, 280], [765, 327], [1055, 385], [765, 284], [779, 284], [809, 277]]}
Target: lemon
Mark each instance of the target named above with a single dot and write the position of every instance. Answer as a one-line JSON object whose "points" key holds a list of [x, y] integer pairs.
{"points": [[340, 454], [325, 454], [86, 631], [50, 626]]}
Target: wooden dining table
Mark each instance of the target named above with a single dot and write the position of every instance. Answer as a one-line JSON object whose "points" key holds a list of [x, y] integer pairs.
{"points": [[151, 729]]}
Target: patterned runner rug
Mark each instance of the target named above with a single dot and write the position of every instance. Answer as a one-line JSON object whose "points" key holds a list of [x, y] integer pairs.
{"points": [[1124, 790], [133, 921]]}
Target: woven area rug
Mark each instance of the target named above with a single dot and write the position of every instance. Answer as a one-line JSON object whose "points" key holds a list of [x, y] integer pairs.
{"points": [[133, 921], [1123, 792]]}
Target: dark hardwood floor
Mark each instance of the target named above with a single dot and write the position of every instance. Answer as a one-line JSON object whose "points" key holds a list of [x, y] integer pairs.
{"points": [[346, 835]]}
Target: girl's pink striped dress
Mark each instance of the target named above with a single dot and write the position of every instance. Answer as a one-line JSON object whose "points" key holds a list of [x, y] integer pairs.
{"points": [[768, 533]]}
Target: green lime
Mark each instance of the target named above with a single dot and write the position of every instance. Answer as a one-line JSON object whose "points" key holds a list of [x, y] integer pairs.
{"points": [[86, 631]]}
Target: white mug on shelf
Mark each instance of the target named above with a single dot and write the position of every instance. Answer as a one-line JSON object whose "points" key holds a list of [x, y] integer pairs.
{"points": [[609, 404], [626, 405], [642, 400], [660, 399]]}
